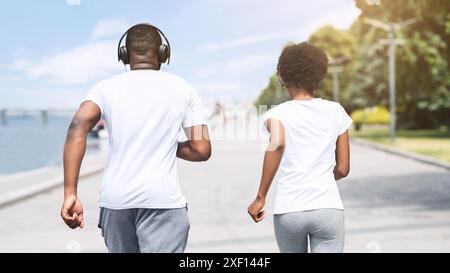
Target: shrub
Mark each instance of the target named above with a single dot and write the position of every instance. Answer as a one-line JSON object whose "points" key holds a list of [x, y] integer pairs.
{"points": [[370, 115]]}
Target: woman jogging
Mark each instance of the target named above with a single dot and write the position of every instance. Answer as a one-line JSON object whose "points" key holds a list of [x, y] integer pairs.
{"points": [[309, 142]]}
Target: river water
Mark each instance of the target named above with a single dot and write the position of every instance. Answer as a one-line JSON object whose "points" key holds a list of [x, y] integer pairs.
{"points": [[26, 143]]}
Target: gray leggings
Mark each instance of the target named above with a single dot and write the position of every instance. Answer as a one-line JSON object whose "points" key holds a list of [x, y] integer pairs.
{"points": [[144, 230], [324, 227]]}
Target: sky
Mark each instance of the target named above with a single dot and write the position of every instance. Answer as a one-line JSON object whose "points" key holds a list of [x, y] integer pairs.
{"points": [[53, 51]]}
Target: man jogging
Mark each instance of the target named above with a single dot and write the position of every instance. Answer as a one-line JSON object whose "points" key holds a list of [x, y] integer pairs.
{"points": [[142, 207]]}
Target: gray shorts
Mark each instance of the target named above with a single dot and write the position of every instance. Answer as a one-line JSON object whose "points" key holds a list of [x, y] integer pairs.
{"points": [[323, 227], [144, 230]]}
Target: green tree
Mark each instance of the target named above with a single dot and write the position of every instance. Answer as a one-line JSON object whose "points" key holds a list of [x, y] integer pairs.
{"points": [[423, 76], [273, 94], [337, 44]]}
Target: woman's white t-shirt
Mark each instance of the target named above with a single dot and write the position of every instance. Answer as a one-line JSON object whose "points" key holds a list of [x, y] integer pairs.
{"points": [[311, 131]]}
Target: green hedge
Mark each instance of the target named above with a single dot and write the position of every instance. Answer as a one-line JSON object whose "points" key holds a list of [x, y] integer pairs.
{"points": [[371, 115]]}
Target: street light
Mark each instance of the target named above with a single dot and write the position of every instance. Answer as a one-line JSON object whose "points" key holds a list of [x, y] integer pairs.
{"points": [[392, 42], [335, 69]]}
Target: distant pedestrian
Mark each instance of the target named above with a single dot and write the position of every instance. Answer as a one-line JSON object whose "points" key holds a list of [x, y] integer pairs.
{"points": [[142, 207], [309, 142]]}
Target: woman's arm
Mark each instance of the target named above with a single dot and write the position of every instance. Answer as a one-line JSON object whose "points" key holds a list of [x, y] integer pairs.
{"points": [[342, 168], [272, 159]]}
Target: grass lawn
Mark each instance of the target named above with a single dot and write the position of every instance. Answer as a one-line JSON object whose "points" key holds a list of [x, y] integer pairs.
{"points": [[432, 143]]}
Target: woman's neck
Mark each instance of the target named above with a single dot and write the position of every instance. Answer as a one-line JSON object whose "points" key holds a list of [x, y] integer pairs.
{"points": [[300, 94]]}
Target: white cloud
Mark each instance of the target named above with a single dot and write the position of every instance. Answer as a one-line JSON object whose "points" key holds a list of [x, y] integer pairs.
{"points": [[244, 41], [268, 14], [83, 64], [79, 65], [235, 67], [108, 28], [242, 72], [337, 13], [341, 18], [213, 87], [73, 2]]}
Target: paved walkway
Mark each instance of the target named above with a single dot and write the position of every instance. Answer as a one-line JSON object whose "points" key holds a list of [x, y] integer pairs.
{"points": [[393, 204]]}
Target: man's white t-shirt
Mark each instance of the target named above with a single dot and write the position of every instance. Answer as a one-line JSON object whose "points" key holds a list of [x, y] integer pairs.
{"points": [[311, 131], [144, 111]]}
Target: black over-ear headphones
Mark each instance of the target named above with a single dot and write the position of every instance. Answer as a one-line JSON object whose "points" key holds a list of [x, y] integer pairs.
{"points": [[163, 51]]}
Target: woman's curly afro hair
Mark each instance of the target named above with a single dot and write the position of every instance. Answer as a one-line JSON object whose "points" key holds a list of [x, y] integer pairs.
{"points": [[303, 66]]}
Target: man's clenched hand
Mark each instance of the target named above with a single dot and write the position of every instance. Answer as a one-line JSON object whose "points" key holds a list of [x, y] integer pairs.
{"points": [[72, 212]]}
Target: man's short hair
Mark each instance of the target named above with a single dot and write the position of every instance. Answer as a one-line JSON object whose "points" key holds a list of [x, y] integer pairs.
{"points": [[303, 66], [143, 39]]}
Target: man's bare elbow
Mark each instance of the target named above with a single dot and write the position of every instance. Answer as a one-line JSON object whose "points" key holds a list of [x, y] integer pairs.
{"points": [[75, 134], [343, 172], [204, 152], [205, 157], [346, 173]]}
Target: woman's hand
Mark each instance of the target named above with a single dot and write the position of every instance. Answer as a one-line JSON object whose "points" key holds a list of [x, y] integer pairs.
{"points": [[256, 209]]}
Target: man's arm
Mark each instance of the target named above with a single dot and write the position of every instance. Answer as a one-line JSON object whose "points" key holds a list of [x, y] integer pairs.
{"points": [[198, 146], [342, 168], [85, 119], [272, 159]]}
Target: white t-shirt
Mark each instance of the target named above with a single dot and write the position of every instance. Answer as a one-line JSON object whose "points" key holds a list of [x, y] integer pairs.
{"points": [[311, 131], [144, 111]]}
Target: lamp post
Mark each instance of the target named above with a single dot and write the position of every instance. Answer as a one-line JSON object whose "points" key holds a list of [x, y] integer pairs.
{"points": [[392, 42], [336, 68]]}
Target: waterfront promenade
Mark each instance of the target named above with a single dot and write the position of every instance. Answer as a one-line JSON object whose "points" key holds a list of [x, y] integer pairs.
{"points": [[393, 204]]}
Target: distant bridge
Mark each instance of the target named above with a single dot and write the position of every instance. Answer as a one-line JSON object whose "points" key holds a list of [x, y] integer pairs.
{"points": [[42, 113]]}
